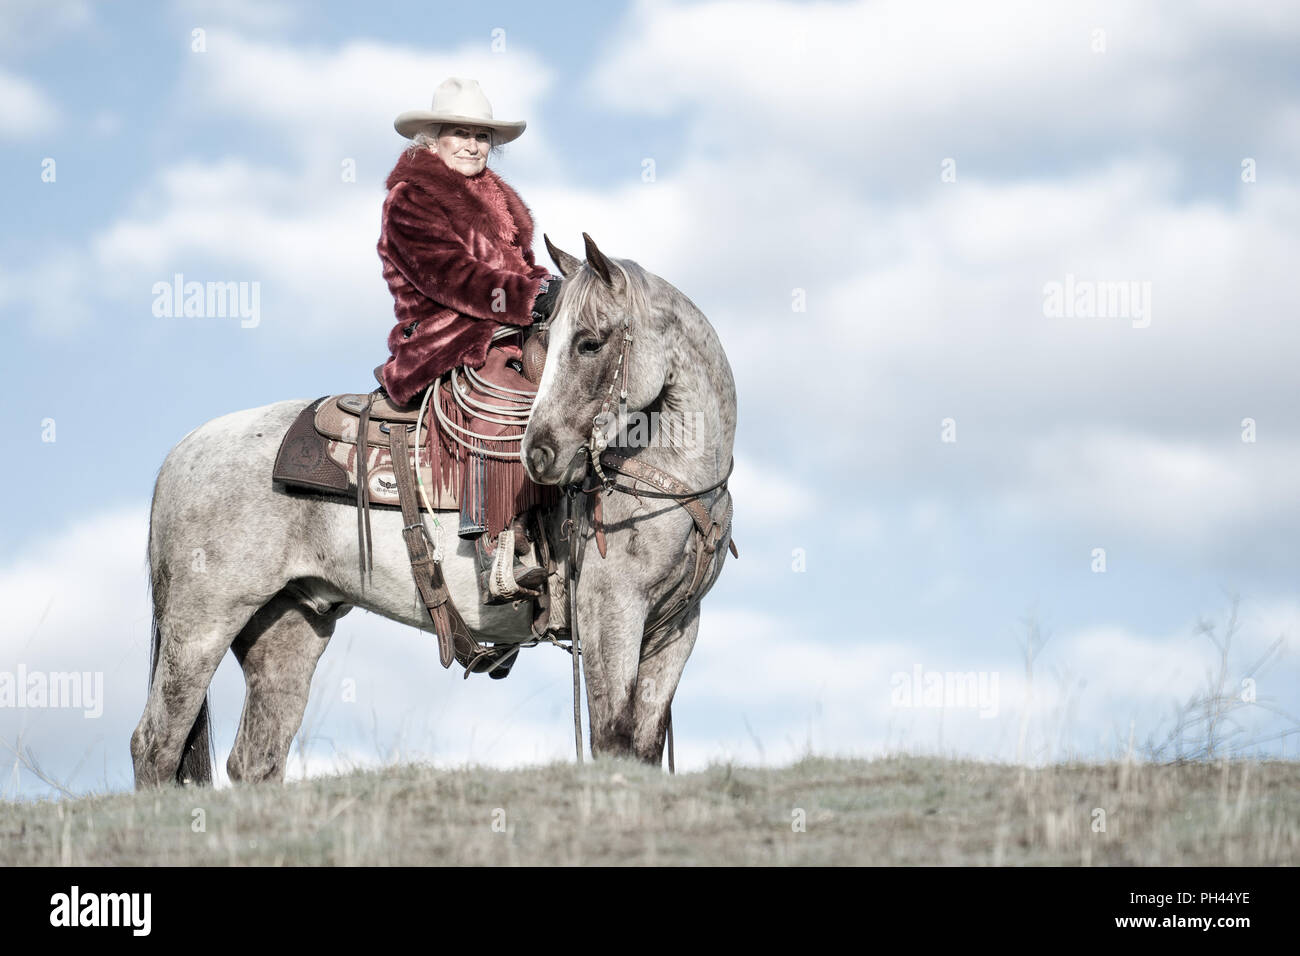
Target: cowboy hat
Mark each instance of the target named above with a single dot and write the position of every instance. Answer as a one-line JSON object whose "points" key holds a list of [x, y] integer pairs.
{"points": [[458, 100]]}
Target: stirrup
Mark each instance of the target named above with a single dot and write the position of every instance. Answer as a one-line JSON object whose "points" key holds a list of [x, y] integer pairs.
{"points": [[500, 575]]}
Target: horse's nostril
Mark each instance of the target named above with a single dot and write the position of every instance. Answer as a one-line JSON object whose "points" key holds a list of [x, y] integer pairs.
{"points": [[540, 458]]}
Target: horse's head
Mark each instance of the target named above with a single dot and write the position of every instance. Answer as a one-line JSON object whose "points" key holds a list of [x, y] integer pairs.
{"points": [[584, 342]]}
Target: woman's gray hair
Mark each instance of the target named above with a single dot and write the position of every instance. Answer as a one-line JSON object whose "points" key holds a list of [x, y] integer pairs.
{"points": [[427, 138]]}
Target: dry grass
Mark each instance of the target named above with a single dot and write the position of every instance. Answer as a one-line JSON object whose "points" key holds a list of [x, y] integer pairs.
{"points": [[900, 810]]}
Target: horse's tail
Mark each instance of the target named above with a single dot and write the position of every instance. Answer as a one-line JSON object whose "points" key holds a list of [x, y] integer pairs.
{"points": [[197, 756]]}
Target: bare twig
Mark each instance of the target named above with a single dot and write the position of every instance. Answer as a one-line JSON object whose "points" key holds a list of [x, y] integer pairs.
{"points": [[1209, 723], [25, 757]]}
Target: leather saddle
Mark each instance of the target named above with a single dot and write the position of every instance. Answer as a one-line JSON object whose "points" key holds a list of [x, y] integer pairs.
{"points": [[319, 451]]}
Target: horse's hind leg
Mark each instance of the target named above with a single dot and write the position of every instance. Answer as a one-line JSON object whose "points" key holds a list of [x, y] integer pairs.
{"points": [[278, 650], [663, 657], [189, 645]]}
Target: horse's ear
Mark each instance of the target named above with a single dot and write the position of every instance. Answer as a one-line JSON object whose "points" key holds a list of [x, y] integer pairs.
{"points": [[596, 259], [566, 263]]}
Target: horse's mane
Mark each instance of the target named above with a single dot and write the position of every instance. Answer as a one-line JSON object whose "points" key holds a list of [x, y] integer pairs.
{"points": [[593, 303]]}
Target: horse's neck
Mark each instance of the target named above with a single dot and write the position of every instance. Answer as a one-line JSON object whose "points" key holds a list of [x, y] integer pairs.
{"points": [[702, 399]]}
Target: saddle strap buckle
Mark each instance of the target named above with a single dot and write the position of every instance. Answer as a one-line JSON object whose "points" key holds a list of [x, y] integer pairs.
{"points": [[430, 546]]}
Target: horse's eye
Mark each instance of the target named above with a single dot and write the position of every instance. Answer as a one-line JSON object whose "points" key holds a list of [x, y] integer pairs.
{"points": [[590, 346]]}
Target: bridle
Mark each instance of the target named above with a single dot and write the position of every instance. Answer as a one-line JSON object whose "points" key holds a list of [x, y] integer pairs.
{"points": [[597, 442]]}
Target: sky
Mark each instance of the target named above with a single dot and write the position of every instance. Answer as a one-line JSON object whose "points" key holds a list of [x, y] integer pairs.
{"points": [[880, 206]]}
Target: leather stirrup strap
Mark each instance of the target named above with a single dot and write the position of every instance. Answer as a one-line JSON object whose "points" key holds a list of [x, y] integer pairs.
{"points": [[453, 635], [543, 617], [365, 544]]}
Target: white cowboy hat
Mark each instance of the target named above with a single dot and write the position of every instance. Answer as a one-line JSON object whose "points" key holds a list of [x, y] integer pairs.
{"points": [[458, 101]]}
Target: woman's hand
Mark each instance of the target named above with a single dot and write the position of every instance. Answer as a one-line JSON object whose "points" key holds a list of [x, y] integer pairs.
{"points": [[548, 292]]}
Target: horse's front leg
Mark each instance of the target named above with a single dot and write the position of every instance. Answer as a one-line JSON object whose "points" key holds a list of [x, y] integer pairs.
{"points": [[610, 628], [663, 657]]}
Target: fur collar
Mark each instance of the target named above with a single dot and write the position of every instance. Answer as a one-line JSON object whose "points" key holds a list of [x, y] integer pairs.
{"points": [[423, 168]]}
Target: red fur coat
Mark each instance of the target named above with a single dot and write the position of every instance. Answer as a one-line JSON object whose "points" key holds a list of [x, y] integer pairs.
{"points": [[458, 258]]}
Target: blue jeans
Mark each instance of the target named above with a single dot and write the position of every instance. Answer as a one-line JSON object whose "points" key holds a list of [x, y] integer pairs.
{"points": [[473, 505]]}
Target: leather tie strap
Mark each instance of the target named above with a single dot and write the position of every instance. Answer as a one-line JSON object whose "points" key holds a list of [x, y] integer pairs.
{"points": [[454, 640], [363, 493], [598, 523]]}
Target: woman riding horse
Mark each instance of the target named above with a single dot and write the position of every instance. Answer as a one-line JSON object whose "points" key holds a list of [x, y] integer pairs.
{"points": [[456, 246]]}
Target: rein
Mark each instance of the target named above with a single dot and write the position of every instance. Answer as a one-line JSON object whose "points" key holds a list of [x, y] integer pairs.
{"points": [[611, 485]]}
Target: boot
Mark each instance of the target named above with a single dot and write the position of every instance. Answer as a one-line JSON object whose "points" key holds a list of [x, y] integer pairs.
{"points": [[530, 576], [500, 582], [496, 661]]}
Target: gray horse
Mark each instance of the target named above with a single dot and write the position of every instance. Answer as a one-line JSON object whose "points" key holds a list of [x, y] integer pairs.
{"points": [[237, 563]]}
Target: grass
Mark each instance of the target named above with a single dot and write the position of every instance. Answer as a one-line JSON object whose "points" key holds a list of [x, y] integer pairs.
{"points": [[897, 810]]}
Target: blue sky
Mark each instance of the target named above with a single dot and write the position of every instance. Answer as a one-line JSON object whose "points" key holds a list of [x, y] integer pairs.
{"points": [[795, 147]]}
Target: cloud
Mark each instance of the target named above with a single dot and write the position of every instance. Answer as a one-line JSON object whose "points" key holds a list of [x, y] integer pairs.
{"points": [[27, 25], [244, 14], [769, 492], [311, 246], [341, 101], [1186, 494], [28, 111], [895, 82], [76, 602], [1120, 664], [306, 228], [69, 269]]}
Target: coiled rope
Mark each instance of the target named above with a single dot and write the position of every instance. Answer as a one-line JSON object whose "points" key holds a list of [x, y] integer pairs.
{"points": [[513, 411]]}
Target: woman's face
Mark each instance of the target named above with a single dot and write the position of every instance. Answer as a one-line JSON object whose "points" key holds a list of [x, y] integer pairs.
{"points": [[464, 148]]}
